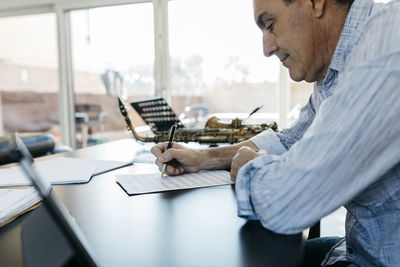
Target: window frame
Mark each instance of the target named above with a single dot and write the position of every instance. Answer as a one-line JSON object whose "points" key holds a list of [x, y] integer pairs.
{"points": [[162, 73]]}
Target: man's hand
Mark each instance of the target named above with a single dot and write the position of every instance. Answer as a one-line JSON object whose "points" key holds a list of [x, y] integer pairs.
{"points": [[243, 155], [183, 159]]}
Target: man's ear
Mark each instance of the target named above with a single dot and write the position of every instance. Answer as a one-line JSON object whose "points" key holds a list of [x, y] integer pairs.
{"points": [[318, 8]]}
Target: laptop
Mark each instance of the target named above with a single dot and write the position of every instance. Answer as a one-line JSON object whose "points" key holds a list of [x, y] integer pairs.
{"points": [[62, 221]]}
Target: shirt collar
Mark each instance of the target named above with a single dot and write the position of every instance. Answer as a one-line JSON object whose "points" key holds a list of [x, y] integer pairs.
{"points": [[359, 11]]}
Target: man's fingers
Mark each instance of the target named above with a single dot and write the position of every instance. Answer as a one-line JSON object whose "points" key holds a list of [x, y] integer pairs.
{"points": [[233, 175], [171, 170], [173, 157], [244, 149], [159, 164], [233, 172], [169, 155], [157, 150]]}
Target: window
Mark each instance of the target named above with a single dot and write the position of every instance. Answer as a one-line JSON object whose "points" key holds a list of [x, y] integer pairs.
{"points": [[216, 64], [298, 96], [29, 80], [217, 58], [217, 61], [113, 55]]}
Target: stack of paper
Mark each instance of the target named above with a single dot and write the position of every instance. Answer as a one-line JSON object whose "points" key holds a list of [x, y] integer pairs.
{"points": [[15, 201], [62, 170]]}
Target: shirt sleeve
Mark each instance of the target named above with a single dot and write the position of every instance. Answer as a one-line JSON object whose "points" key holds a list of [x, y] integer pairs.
{"points": [[278, 143], [353, 141]]}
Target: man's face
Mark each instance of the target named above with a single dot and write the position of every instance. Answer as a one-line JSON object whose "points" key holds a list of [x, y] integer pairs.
{"points": [[291, 32]]}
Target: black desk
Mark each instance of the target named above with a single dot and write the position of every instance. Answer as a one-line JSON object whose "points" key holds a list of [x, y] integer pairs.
{"points": [[196, 227]]}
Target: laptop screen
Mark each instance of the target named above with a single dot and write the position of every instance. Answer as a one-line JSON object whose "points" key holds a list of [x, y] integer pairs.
{"points": [[21, 153], [60, 214]]}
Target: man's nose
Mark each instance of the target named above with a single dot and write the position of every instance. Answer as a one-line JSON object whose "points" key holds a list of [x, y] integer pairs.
{"points": [[269, 44]]}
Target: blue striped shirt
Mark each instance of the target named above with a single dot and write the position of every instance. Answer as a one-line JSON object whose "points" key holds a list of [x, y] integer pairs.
{"points": [[344, 148]]}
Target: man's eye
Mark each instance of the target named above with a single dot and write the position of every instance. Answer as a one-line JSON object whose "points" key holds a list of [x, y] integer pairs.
{"points": [[269, 26]]}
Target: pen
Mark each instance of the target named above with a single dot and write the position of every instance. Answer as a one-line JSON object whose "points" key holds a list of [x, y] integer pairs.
{"points": [[170, 139]]}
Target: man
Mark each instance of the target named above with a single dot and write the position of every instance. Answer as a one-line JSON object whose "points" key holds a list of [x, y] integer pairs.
{"points": [[345, 146]]}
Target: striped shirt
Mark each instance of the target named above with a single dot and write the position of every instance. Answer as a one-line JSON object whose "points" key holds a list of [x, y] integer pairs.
{"points": [[344, 148]]}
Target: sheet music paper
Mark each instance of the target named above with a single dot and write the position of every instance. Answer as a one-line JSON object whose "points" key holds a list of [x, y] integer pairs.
{"points": [[149, 183], [15, 201]]}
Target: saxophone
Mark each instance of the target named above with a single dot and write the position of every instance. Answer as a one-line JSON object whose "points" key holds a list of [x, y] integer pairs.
{"points": [[215, 132]]}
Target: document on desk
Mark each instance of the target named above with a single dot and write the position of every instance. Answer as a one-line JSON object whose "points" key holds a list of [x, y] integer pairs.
{"points": [[104, 166], [61, 170], [150, 183], [15, 201]]}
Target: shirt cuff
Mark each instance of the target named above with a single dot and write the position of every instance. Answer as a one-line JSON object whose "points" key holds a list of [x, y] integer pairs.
{"points": [[242, 186], [269, 141]]}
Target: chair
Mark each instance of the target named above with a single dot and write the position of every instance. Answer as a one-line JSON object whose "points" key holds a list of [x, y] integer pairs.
{"points": [[89, 115]]}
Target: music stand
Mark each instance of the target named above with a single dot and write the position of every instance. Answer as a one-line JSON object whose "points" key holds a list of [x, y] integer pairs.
{"points": [[157, 114]]}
